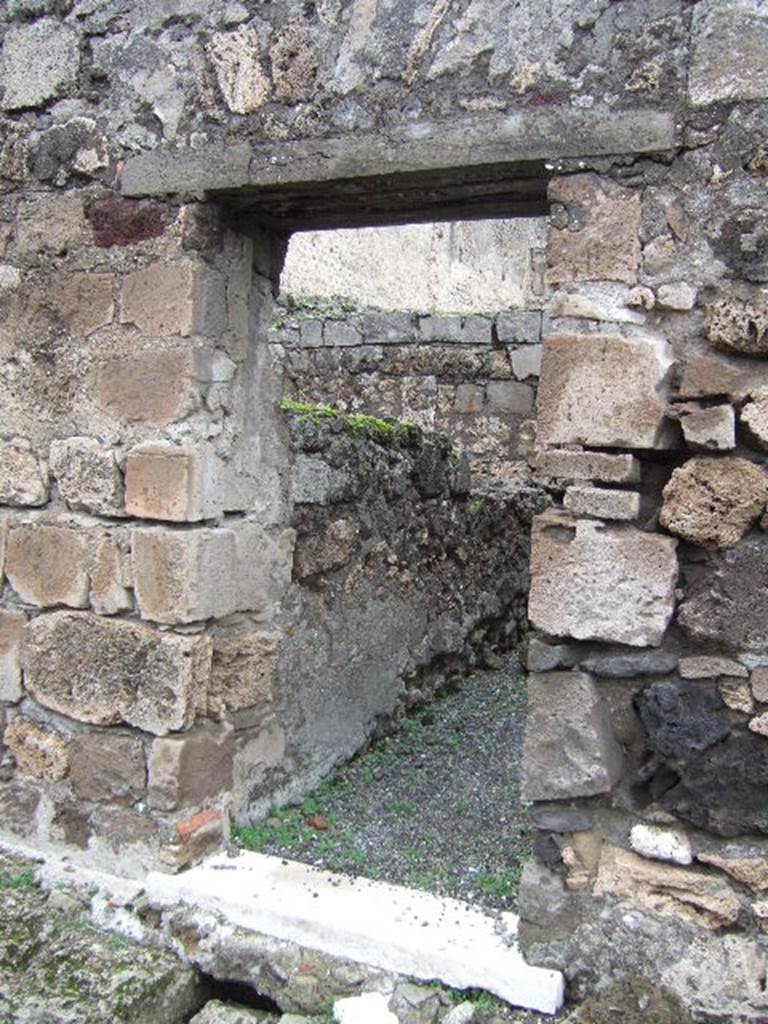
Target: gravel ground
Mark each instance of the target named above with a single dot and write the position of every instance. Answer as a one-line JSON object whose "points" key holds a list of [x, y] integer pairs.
{"points": [[435, 806]]}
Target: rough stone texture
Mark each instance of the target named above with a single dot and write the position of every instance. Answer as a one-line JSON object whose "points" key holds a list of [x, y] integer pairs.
{"points": [[595, 301], [682, 719], [637, 1001], [601, 243], [759, 724], [163, 299], [754, 417], [87, 475], [152, 387], [709, 429], [604, 390], [242, 80], [109, 768], [573, 465], [661, 844], [187, 770], [21, 480], [109, 574], [750, 871], [105, 671], [510, 397], [244, 663], [728, 604], [86, 302], [217, 1012], [707, 666], [569, 746], [322, 552], [758, 682], [629, 664], [171, 483], [679, 296], [602, 503], [736, 695], [38, 751], [714, 501], [579, 567], [730, 53], [11, 627], [39, 61], [714, 375], [663, 889], [738, 326], [46, 565]]}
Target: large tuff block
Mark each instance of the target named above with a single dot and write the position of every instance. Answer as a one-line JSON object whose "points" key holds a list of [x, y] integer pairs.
{"points": [[714, 501], [572, 465], [106, 671], [569, 748], [187, 770], [189, 575], [600, 241], [155, 387], [46, 565], [165, 298], [244, 664], [107, 768], [604, 390], [87, 474], [596, 582], [172, 483], [730, 52]]}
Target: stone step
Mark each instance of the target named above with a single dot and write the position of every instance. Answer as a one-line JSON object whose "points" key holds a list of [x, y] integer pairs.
{"points": [[385, 926]]}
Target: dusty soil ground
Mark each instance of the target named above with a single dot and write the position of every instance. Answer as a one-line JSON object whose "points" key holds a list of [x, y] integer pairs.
{"points": [[435, 806]]}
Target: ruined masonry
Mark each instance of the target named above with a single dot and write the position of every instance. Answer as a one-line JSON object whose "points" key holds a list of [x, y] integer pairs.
{"points": [[209, 602]]}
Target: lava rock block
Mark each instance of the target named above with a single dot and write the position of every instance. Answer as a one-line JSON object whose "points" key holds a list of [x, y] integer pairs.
{"points": [[682, 719]]}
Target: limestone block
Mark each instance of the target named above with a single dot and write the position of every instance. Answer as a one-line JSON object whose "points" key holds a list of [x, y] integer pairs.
{"points": [[107, 768], [526, 362], [37, 750], [711, 428], [573, 465], [86, 302], [22, 480], [595, 582], [236, 58], [155, 387], [664, 889], [164, 298], [708, 666], [754, 417], [602, 503], [678, 296], [39, 61], [569, 748], [184, 771], [107, 671], [750, 871], [601, 300], [243, 668], [736, 695], [738, 326], [509, 397], [108, 572], [758, 682], [601, 243], [603, 390], [11, 628], [714, 501], [727, 603], [730, 52], [658, 843], [172, 483], [87, 475], [46, 565]]}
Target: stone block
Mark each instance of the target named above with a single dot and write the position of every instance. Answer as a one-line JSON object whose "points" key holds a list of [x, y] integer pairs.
{"points": [[187, 770], [749, 871], [11, 628], [339, 334], [22, 479], [172, 483], [603, 300], [46, 565], [107, 768], [714, 500], [526, 362], [327, 550], [37, 750], [39, 62], [86, 302], [665, 889], [108, 671], [730, 52], [754, 418], [509, 398], [682, 719], [709, 666], [155, 387], [758, 682], [87, 475], [243, 668], [569, 748], [736, 695], [311, 333], [236, 58], [165, 299], [387, 328], [522, 328], [679, 296], [314, 482], [604, 390], [118, 221], [708, 429], [109, 575], [601, 241], [196, 837], [573, 465], [759, 724], [441, 328], [50, 223], [469, 399], [595, 582], [726, 604], [629, 664], [658, 843], [602, 502], [541, 657], [738, 326], [713, 376]]}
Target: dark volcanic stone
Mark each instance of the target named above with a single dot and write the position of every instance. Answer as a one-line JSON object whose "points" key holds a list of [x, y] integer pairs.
{"points": [[682, 719], [724, 791], [635, 663]]}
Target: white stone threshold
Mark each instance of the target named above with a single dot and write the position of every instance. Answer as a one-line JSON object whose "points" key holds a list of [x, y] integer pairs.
{"points": [[384, 926]]}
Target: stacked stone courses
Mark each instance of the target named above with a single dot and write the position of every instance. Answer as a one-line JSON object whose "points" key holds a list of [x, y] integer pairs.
{"points": [[194, 585]]}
